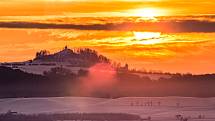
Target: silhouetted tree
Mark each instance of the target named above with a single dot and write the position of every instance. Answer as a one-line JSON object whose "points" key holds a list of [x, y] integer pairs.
{"points": [[42, 53]]}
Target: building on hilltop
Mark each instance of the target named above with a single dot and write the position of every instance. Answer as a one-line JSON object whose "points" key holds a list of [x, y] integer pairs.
{"points": [[66, 58]]}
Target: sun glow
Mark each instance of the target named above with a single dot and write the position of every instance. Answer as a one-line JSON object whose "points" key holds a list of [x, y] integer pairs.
{"points": [[146, 35], [147, 38], [149, 13]]}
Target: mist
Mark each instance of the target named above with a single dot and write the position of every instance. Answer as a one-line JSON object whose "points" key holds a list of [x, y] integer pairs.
{"points": [[101, 77]]}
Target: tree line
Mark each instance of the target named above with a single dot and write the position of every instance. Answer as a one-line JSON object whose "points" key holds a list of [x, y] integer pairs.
{"points": [[62, 82]]}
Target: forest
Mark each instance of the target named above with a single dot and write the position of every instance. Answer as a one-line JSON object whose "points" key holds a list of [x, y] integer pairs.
{"points": [[61, 82]]}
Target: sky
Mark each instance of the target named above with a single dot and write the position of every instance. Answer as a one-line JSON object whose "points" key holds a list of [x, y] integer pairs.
{"points": [[103, 7], [167, 35]]}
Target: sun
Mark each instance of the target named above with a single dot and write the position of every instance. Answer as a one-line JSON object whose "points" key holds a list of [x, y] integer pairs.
{"points": [[149, 13]]}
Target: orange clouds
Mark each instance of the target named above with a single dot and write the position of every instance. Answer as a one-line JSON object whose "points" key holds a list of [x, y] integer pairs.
{"points": [[102, 8]]}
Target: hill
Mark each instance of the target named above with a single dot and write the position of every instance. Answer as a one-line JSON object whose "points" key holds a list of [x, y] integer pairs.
{"points": [[81, 57]]}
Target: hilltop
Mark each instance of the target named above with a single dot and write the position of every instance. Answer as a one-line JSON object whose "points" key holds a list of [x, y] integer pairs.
{"points": [[73, 60], [82, 57]]}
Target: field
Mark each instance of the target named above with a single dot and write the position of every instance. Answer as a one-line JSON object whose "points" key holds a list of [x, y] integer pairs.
{"points": [[158, 108]]}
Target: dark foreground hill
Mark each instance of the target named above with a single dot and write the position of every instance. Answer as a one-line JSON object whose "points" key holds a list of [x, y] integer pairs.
{"points": [[61, 82]]}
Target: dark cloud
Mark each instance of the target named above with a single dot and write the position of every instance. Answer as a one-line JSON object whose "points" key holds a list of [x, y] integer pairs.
{"points": [[161, 26]]}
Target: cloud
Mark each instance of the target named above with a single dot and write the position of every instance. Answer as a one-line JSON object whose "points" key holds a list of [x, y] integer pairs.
{"points": [[161, 26]]}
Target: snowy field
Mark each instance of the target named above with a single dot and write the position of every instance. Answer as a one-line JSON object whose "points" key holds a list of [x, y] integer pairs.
{"points": [[158, 108]]}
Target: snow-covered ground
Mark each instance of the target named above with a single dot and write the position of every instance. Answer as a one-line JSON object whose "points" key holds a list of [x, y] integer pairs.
{"points": [[153, 76], [40, 69], [162, 109]]}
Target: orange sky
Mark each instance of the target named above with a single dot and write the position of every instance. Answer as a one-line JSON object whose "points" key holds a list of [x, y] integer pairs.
{"points": [[189, 49], [102, 7]]}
